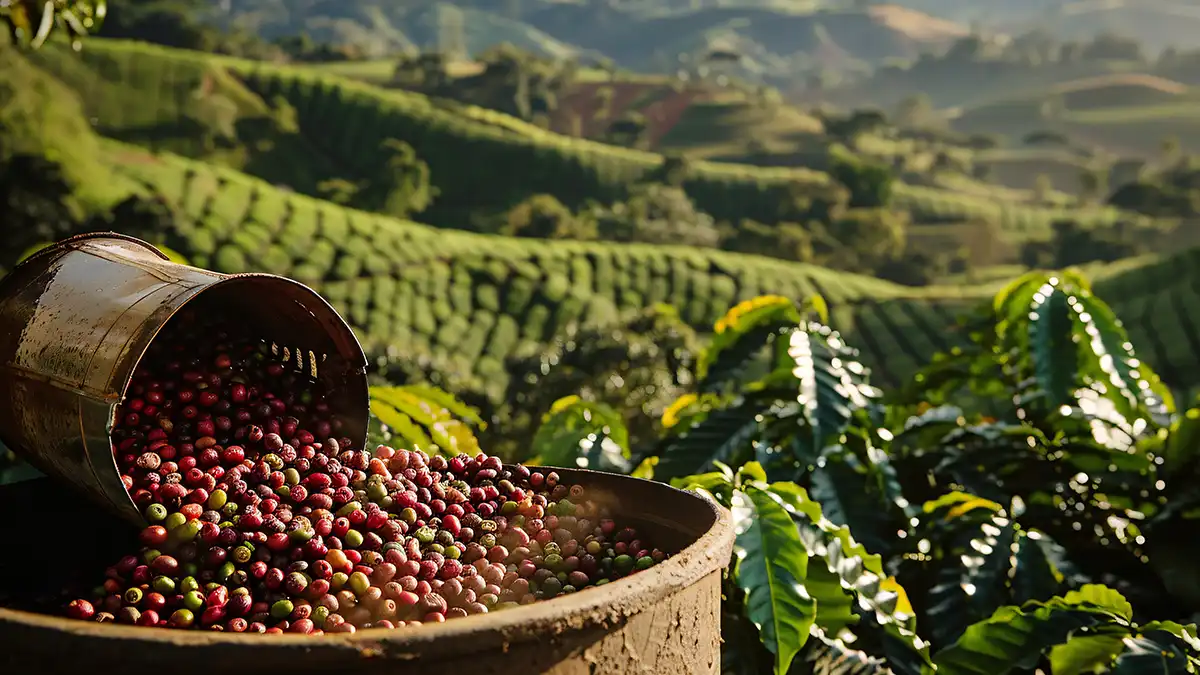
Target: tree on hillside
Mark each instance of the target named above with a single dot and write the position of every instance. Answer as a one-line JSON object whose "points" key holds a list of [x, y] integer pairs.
{"points": [[36, 198], [914, 111], [1109, 46], [1044, 137], [846, 129], [629, 131], [1170, 149], [1043, 186], [1093, 184], [403, 187], [870, 184], [657, 214], [674, 170], [1073, 244], [804, 202], [542, 216], [866, 239]]}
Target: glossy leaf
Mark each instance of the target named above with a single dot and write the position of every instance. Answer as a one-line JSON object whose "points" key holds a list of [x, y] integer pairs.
{"points": [[1086, 654], [843, 487], [1016, 637], [1130, 380], [831, 656], [721, 435], [1144, 655], [399, 426], [861, 578], [445, 432], [986, 562], [584, 434], [832, 384], [740, 335], [1052, 345], [772, 566]]}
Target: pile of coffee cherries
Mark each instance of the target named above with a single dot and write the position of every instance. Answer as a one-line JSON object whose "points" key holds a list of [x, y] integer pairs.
{"points": [[262, 520]]}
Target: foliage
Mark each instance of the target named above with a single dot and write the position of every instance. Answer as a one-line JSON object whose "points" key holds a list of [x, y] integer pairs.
{"points": [[31, 22], [656, 214], [544, 217], [403, 189], [1050, 471], [422, 418], [582, 434], [36, 198]]}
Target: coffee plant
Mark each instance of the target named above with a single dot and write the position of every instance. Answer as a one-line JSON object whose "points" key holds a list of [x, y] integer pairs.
{"points": [[1025, 504]]}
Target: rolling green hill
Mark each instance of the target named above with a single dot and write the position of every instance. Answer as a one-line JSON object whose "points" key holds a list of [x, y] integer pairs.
{"points": [[775, 36], [480, 160], [1124, 114], [476, 299]]}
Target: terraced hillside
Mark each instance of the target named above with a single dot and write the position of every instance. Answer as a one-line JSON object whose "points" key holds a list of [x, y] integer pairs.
{"points": [[472, 298], [476, 299], [480, 160], [1126, 114]]}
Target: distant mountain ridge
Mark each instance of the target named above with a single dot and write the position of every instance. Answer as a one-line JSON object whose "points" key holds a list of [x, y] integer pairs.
{"points": [[776, 36], [777, 40]]}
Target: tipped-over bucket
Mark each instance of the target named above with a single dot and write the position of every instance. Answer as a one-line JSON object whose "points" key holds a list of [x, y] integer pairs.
{"points": [[76, 318]]}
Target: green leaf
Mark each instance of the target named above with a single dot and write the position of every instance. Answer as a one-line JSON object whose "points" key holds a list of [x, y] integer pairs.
{"points": [[831, 656], [1085, 654], [985, 561], [772, 566], [832, 383], [1128, 381], [645, 470], [448, 434], [740, 335], [402, 426], [585, 434], [446, 400], [1147, 656], [722, 435], [1052, 345], [711, 481], [1017, 637], [843, 487], [849, 573], [1183, 442], [1103, 597]]}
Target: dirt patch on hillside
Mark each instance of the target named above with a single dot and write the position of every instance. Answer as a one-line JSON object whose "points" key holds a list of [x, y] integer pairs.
{"points": [[1143, 80], [916, 25], [132, 157]]}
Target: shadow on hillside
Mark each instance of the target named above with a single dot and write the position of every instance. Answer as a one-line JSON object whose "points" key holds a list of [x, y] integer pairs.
{"points": [[180, 135]]}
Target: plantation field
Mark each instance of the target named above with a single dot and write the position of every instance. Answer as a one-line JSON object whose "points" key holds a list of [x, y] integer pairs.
{"points": [[1126, 114], [722, 129], [342, 122], [476, 299]]}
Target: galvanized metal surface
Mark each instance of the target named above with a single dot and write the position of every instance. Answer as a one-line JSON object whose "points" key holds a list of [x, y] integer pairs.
{"points": [[76, 318], [663, 621]]}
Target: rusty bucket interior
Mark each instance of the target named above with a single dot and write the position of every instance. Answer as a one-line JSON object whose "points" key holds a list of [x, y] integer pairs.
{"points": [[77, 317]]}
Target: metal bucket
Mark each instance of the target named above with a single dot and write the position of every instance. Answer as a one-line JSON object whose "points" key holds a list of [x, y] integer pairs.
{"points": [[75, 319], [663, 621]]}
